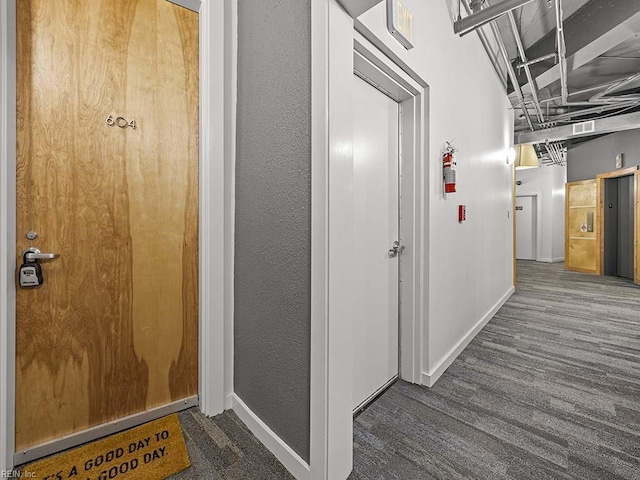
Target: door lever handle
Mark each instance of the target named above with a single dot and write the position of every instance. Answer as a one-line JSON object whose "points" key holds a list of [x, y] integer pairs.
{"points": [[395, 249], [32, 254]]}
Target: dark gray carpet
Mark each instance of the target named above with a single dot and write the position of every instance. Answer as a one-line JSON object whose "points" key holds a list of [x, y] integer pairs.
{"points": [[222, 447], [550, 389]]}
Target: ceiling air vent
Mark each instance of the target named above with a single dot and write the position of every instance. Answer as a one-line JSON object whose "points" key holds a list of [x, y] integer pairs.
{"points": [[584, 127]]}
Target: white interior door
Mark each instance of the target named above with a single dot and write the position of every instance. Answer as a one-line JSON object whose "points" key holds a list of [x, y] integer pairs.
{"points": [[525, 228], [376, 225]]}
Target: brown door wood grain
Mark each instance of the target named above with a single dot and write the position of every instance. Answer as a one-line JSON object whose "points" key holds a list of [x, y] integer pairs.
{"points": [[582, 252], [113, 329]]}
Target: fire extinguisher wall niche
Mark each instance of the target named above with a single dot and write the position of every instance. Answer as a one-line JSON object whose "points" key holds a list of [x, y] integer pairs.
{"points": [[449, 167]]}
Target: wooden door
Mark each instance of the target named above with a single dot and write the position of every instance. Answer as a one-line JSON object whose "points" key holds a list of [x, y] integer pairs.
{"points": [[113, 329], [582, 248], [376, 227]]}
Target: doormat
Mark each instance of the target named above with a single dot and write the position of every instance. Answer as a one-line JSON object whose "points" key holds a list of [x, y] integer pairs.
{"points": [[153, 451]]}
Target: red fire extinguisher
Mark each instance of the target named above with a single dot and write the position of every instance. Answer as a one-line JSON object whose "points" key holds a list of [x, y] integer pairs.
{"points": [[449, 168]]}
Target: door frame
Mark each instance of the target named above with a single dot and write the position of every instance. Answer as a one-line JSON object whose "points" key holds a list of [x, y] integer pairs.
{"points": [[600, 186], [336, 37], [538, 201], [374, 78], [636, 227], [387, 76], [217, 27]]}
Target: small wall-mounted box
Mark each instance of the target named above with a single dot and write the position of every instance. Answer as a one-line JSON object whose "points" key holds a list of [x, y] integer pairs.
{"points": [[462, 213], [619, 160]]}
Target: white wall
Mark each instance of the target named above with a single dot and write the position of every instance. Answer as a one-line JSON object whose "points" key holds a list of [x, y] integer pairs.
{"points": [[470, 264], [548, 182]]}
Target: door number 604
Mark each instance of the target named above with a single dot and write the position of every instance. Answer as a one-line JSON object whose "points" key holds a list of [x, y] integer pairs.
{"points": [[120, 122]]}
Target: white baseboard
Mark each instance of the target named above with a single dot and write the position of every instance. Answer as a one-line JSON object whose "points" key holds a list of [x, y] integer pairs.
{"points": [[429, 379], [283, 452], [551, 260], [228, 401]]}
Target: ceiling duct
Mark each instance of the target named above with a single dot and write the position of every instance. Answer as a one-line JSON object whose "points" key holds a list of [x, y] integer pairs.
{"points": [[600, 126], [468, 24], [584, 127]]}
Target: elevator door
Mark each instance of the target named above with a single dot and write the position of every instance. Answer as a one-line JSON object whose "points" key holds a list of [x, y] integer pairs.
{"points": [[107, 178], [619, 226], [376, 228]]}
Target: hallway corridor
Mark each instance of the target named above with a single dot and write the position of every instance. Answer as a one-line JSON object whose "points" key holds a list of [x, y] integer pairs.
{"points": [[550, 388]]}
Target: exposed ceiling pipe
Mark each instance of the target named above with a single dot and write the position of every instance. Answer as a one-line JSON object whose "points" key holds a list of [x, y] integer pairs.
{"points": [[525, 65], [510, 71], [485, 43], [468, 24], [536, 60], [568, 117], [556, 153], [589, 111], [614, 87], [562, 52], [551, 153], [578, 92], [604, 102], [604, 41], [561, 156]]}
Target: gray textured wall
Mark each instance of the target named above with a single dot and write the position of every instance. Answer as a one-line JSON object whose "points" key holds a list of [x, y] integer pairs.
{"points": [[273, 216], [588, 159]]}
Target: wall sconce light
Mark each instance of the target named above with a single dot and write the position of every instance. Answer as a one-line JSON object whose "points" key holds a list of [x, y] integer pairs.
{"points": [[526, 157]]}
